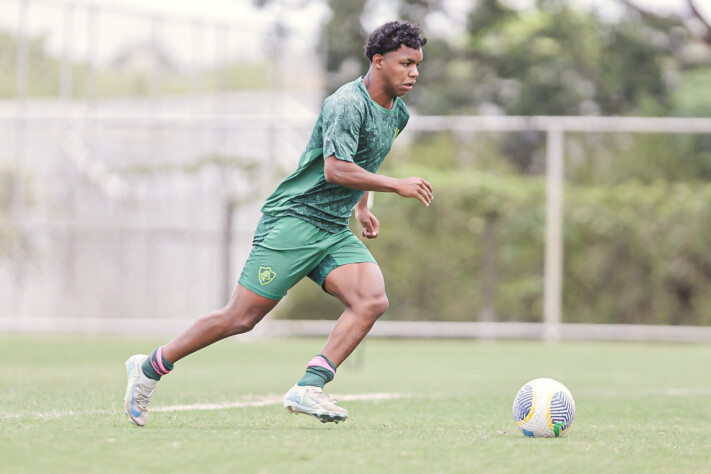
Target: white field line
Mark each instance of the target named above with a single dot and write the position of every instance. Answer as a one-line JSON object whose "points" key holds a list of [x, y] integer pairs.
{"points": [[260, 402], [274, 400]]}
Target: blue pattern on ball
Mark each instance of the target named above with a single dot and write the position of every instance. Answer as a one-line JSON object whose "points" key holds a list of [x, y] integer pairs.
{"points": [[523, 403], [562, 410]]}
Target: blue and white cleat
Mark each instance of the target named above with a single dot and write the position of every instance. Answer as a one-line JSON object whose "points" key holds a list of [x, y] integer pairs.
{"points": [[315, 402], [138, 390]]}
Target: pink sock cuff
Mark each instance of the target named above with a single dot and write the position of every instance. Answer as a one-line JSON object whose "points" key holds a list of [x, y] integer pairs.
{"points": [[156, 368], [160, 368], [320, 362]]}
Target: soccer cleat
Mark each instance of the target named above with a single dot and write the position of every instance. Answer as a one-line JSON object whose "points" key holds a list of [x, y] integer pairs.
{"points": [[138, 390], [315, 402]]}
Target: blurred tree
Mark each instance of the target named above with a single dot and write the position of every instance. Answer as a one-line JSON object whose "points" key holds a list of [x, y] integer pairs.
{"points": [[688, 35], [558, 60], [43, 78], [342, 42], [549, 59], [552, 59], [695, 23]]}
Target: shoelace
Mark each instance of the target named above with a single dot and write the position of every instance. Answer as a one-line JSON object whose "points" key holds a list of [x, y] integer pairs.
{"points": [[325, 396], [143, 396]]}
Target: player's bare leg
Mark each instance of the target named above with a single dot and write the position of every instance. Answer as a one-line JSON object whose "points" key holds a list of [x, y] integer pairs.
{"points": [[240, 315], [361, 288]]}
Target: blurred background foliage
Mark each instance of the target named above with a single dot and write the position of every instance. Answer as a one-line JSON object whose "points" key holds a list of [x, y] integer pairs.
{"points": [[637, 206], [635, 253]]}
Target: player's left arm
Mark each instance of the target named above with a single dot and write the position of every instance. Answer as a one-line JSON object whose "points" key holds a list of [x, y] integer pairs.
{"points": [[370, 224], [350, 175]]}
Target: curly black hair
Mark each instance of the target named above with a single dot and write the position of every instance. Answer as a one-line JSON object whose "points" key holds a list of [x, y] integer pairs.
{"points": [[392, 35]]}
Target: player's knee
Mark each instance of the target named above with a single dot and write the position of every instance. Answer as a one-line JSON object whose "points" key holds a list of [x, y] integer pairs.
{"points": [[243, 324], [239, 322], [382, 305], [374, 306]]}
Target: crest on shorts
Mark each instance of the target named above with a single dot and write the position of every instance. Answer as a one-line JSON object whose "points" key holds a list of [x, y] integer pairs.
{"points": [[266, 275]]}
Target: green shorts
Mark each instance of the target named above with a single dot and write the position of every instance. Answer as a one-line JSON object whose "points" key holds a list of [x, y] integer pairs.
{"points": [[286, 249]]}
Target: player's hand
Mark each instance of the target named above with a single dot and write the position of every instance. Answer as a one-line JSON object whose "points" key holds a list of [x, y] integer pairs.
{"points": [[371, 225], [417, 188]]}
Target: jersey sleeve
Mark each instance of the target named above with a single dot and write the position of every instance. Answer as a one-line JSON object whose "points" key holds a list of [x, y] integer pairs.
{"points": [[403, 124], [405, 117], [342, 123]]}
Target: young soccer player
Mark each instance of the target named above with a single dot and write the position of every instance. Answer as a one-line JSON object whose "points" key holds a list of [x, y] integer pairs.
{"points": [[304, 230]]}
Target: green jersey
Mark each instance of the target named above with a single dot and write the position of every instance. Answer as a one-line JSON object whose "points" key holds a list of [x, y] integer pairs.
{"points": [[352, 127]]}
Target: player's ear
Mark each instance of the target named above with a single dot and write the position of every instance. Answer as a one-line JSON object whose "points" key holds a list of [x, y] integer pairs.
{"points": [[378, 61]]}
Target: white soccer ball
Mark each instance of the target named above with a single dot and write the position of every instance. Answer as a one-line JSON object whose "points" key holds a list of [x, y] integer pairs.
{"points": [[544, 408]]}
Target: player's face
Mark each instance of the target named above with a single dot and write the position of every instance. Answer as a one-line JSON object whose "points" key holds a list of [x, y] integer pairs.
{"points": [[399, 69]]}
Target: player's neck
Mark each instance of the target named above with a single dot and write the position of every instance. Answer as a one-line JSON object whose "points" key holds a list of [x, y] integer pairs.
{"points": [[377, 91]]}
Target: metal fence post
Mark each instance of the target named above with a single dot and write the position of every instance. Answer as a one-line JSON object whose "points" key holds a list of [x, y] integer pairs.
{"points": [[66, 74], [553, 296], [22, 77]]}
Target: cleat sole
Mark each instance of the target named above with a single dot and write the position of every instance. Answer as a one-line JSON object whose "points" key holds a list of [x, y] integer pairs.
{"points": [[322, 417]]}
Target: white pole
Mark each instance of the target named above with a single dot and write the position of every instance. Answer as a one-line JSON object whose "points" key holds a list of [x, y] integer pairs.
{"points": [[21, 81], [92, 33], [66, 74], [18, 192], [553, 297]]}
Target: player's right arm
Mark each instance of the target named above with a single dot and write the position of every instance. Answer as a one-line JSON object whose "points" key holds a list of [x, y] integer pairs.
{"points": [[350, 175]]}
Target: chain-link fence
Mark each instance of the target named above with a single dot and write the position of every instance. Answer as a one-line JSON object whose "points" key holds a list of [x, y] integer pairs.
{"points": [[134, 150]]}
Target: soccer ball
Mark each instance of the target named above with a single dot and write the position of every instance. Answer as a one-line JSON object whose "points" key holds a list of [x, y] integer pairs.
{"points": [[544, 408]]}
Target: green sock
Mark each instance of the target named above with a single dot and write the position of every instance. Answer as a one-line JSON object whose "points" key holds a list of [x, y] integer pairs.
{"points": [[319, 371], [155, 366]]}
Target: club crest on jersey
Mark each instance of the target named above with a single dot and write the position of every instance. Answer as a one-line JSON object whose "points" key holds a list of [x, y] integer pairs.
{"points": [[397, 132], [266, 275]]}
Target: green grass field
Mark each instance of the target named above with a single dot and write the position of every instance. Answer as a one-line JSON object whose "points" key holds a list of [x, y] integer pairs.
{"points": [[640, 408]]}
